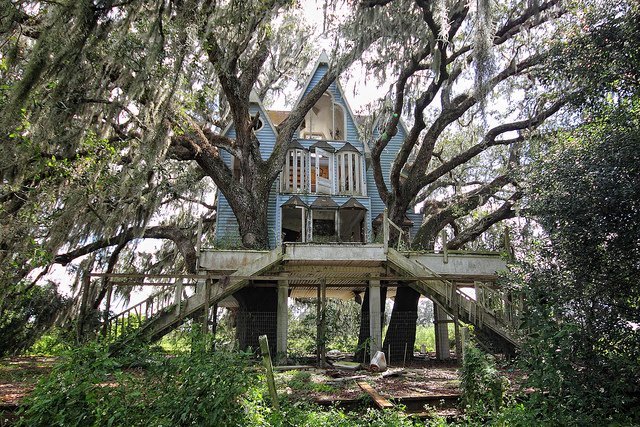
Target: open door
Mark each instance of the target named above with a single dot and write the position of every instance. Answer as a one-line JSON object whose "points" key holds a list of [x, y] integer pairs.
{"points": [[294, 214], [352, 216]]}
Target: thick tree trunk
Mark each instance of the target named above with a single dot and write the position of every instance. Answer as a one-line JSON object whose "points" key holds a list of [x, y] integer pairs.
{"points": [[362, 350], [256, 316], [401, 333], [253, 227]]}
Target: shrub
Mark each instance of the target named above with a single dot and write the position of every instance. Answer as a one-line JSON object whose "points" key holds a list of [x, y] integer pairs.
{"points": [[90, 387], [483, 388]]}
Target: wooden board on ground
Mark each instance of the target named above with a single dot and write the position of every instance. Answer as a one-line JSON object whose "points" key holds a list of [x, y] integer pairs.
{"points": [[380, 401], [293, 367]]}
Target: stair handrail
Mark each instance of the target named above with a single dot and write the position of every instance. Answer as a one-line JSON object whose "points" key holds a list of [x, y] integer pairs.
{"points": [[148, 307], [386, 221]]}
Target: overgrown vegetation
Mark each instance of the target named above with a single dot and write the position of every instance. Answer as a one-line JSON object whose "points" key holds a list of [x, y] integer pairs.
{"points": [[91, 387]]}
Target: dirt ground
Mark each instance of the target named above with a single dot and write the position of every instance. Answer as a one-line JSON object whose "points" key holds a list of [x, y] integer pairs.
{"points": [[19, 375]]}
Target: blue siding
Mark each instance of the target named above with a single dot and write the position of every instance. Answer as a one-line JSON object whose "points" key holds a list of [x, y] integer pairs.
{"points": [[227, 226], [387, 158], [227, 232]]}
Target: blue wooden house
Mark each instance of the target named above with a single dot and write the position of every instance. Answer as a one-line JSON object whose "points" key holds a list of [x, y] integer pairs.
{"points": [[326, 192]]}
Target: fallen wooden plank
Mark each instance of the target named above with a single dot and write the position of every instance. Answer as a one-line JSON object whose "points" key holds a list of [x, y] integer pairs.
{"points": [[380, 401], [293, 367]]}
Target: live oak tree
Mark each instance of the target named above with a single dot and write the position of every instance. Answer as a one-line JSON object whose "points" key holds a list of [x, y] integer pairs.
{"points": [[466, 80], [583, 302], [111, 124]]}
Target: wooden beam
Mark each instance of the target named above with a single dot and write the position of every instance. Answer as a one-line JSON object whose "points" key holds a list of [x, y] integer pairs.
{"points": [[266, 360], [380, 401]]}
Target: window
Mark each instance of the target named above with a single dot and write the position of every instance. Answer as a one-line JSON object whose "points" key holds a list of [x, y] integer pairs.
{"points": [[294, 212], [294, 174], [321, 159], [352, 215], [324, 220], [325, 121], [258, 123], [349, 164]]}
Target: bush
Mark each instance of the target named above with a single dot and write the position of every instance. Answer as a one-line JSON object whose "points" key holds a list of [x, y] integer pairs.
{"points": [[483, 388], [90, 387]]}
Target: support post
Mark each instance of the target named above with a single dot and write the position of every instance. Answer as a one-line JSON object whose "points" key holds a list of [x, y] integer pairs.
{"points": [[321, 323], [385, 230], [266, 359], [205, 314], [442, 333], [282, 321], [445, 250], [458, 338], [107, 309], [375, 318], [177, 296]]}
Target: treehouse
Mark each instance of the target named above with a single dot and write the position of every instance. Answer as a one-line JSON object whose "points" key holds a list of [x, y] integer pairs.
{"points": [[326, 191], [329, 238]]}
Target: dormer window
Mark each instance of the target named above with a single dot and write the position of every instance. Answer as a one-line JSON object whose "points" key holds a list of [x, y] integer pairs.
{"points": [[350, 176], [294, 174], [325, 121]]}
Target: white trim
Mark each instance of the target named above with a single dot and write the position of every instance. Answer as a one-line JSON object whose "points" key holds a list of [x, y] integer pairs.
{"points": [[324, 59]]}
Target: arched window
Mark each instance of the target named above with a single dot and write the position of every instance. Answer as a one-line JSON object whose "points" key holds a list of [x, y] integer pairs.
{"points": [[352, 219], [349, 164], [294, 174], [325, 121], [294, 213], [324, 220]]}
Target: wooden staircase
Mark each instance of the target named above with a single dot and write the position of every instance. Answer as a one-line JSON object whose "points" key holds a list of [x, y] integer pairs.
{"points": [[493, 316], [163, 312]]}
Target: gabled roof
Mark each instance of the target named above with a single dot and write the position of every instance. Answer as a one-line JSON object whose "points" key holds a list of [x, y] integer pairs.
{"points": [[347, 147], [324, 59], [352, 203], [296, 144], [294, 202], [323, 145], [324, 202], [278, 116]]}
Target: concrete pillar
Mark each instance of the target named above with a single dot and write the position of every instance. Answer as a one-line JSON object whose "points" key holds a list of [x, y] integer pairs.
{"points": [[441, 321], [375, 317], [282, 322]]}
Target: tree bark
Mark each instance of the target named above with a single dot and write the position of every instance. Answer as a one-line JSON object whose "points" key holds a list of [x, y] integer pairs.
{"points": [[401, 333], [362, 350]]}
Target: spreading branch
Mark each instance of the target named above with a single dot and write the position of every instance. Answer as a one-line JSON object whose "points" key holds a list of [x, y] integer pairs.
{"points": [[183, 242]]}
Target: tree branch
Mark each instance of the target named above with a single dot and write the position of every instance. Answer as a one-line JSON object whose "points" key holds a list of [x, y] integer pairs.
{"points": [[182, 241], [471, 233]]}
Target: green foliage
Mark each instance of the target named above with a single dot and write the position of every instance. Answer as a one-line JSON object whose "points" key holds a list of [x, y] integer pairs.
{"points": [[304, 415], [483, 387], [301, 380], [91, 387], [27, 313], [53, 343], [581, 290]]}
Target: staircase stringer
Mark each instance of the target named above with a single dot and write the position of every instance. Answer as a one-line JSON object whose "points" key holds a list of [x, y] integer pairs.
{"points": [[444, 292], [159, 326]]}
